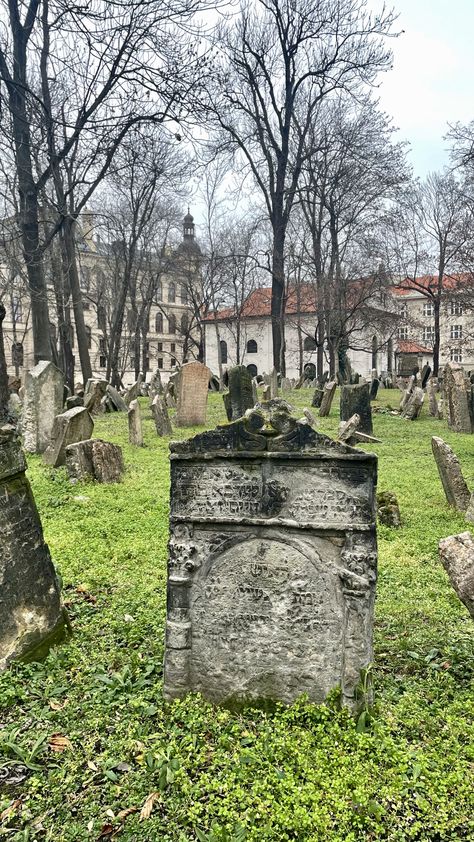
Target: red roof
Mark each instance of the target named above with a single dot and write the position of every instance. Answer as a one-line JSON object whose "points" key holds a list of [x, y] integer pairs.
{"points": [[451, 282], [258, 303], [406, 347]]}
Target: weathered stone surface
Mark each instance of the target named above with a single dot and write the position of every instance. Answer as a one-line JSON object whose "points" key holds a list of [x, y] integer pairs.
{"points": [[374, 388], [134, 391], [240, 392], [470, 510], [328, 395], [115, 399], [71, 426], [31, 614], [266, 393], [433, 407], [135, 431], [388, 511], [425, 375], [450, 474], [94, 459], [160, 415], [348, 428], [73, 401], [286, 384], [43, 401], [317, 398], [93, 394], [193, 383], [156, 386], [274, 383], [457, 557], [355, 400], [457, 398], [272, 563], [413, 405]]}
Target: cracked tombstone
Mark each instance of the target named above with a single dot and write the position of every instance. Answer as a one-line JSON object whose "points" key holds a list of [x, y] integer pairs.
{"points": [[135, 431], [161, 418], [193, 389], [355, 400], [134, 391], [457, 399], [272, 564], [43, 400], [240, 396], [450, 474], [433, 408], [156, 386], [74, 425], [94, 459], [328, 394], [413, 405], [457, 557], [93, 394]]}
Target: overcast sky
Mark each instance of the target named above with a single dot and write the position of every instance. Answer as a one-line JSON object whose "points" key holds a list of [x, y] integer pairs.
{"points": [[432, 82]]}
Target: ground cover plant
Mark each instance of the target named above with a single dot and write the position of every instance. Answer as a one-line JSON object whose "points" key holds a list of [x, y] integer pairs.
{"points": [[89, 750]]}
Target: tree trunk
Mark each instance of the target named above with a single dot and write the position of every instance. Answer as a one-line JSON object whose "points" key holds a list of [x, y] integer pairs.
{"points": [[278, 301], [437, 339], [4, 393], [76, 294]]}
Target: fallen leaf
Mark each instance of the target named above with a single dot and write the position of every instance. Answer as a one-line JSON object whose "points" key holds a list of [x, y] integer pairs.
{"points": [[54, 705], [145, 812], [122, 767], [10, 809], [106, 830], [91, 765], [59, 743], [90, 825], [127, 812], [110, 813]]}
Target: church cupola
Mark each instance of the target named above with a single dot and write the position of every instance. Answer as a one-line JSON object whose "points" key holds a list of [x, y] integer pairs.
{"points": [[188, 228]]}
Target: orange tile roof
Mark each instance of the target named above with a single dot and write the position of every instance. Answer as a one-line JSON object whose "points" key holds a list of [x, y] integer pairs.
{"points": [[450, 282], [404, 346], [258, 304]]}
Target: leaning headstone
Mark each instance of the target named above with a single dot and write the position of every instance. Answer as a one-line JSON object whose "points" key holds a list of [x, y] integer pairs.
{"points": [[374, 388], [156, 386], [134, 391], [94, 459], [43, 401], [457, 557], [240, 396], [135, 431], [159, 411], [433, 408], [272, 564], [348, 428], [74, 401], [74, 425], [327, 399], [470, 510], [274, 383], [115, 399], [31, 614], [425, 375], [93, 394], [193, 384], [317, 398], [285, 384], [388, 511], [457, 399], [413, 405], [254, 392], [266, 394], [450, 474], [355, 400]]}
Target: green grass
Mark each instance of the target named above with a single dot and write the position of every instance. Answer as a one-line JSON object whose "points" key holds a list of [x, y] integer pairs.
{"points": [[300, 773]]}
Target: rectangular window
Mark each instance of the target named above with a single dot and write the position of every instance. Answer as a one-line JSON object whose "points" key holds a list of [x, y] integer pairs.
{"points": [[102, 362], [428, 308], [160, 362], [173, 362], [456, 331], [403, 310], [160, 346], [101, 345], [455, 355], [428, 334], [147, 364], [402, 333], [456, 308], [173, 347]]}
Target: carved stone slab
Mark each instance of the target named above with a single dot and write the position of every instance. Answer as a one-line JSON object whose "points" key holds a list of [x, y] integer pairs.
{"points": [[193, 387], [272, 564]]}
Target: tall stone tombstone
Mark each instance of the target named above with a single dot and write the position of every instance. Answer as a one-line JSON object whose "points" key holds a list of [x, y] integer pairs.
{"points": [[161, 418], [31, 614], [44, 387], [240, 392], [355, 400], [193, 387], [70, 427], [457, 399], [450, 474], [272, 564], [156, 386], [274, 383], [329, 391], [135, 430]]}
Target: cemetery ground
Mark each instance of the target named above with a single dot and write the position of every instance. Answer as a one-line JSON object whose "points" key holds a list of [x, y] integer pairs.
{"points": [[89, 749]]}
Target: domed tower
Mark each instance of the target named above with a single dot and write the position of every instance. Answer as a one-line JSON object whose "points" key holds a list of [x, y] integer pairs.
{"points": [[188, 228]]}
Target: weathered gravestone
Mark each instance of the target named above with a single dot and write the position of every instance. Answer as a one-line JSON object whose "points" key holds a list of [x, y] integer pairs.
{"points": [[115, 399], [161, 418], [42, 402], [31, 614], [413, 404], [457, 398], [425, 375], [326, 401], [317, 398], [450, 474], [193, 383], [71, 426], [470, 510], [274, 383], [93, 394], [457, 557], [134, 391], [240, 397], [355, 400], [156, 386], [266, 393], [374, 388], [94, 459], [73, 401], [135, 431], [433, 408], [272, 563], [388, 511]]}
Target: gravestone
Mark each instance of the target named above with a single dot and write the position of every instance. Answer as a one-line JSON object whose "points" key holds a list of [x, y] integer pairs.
{"points": [[433, 407], [135, 431], [94, 459], [450, 474], [134, 391], [285, 384], [115, 399], [274, 383], [161, 418], [457, 557], [348, 428], [192, 387], [355, 400], [425, 375], [74, 401], [412, 406], [254, 391], [266, 393], [374, 388], [240, 397], [74, 425], [94, 392], [31, 614], [317, 398], [272, 563], [156, 386], [457, 399], [42, 402], [470, 510], [327, 399], [388, 511]]}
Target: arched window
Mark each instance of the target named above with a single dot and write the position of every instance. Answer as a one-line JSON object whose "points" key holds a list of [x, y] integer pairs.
{"points": [[223, 345], [159, 323], [375, 348], [252, 347], [310, 371], [309, 343], [252, 370], [184, 294], [172, 323], [159, 291], [85, 276], [184, 324], [172, 292], [17, 354], [89, 336]]}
